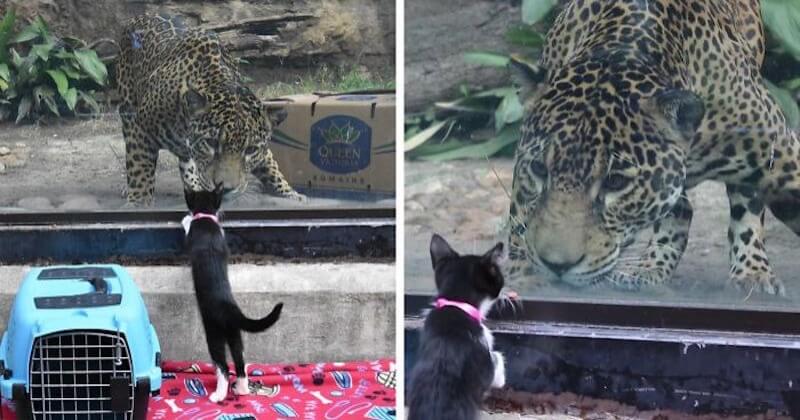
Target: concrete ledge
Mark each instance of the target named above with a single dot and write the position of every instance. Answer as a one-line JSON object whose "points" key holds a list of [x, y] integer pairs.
{"points": [[331, 311]]}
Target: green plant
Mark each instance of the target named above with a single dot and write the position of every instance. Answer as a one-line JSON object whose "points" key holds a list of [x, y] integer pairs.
{"points": [[41, 73], [486, 123]]}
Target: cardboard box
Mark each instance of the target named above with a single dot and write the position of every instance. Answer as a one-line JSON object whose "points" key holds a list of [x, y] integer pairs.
{"points": [[340, 145]]}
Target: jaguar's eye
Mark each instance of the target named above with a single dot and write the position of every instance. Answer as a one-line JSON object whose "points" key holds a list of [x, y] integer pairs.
{"points": [[211, 142], [539, 169], [250, 150], [616, 182]]}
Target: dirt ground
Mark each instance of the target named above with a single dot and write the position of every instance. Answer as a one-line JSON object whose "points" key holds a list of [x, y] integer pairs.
{"points": [[78, 165], [466, 203]]}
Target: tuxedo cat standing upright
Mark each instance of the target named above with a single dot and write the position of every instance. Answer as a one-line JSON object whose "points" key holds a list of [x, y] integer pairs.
{"points": [[456, 364], [223, 321]]}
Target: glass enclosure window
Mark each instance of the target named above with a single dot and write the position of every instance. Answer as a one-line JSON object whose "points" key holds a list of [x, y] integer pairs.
{"points": [[595, 146], [75, 77]]}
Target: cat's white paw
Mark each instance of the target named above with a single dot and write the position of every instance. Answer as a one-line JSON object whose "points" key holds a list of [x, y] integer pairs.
{"points": [[241, 387], [499, 380], [222, 388], [216, 397]]}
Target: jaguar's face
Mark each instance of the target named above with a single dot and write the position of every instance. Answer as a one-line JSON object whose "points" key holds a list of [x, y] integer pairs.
{"points": [[591, 171], [227, 139]]}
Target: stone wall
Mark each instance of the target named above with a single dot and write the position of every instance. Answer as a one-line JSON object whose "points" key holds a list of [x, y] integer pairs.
{"points": [[275, 33]]}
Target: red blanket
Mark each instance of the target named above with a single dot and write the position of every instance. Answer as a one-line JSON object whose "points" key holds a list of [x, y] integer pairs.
{"points": [[324, 391]]}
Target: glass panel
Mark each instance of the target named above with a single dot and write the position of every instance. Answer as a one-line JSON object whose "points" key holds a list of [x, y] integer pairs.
{"points": [[72, 98], [595, 136]]}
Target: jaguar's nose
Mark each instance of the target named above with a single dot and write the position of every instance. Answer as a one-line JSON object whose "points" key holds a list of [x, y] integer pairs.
{"points": [[559, 268]]}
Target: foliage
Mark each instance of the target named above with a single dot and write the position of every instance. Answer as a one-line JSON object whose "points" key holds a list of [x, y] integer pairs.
{"points": [[327, 79], [481, 124], [42, 73]]}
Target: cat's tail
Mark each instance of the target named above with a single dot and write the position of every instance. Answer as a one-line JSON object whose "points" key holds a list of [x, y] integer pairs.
{"points": [[256, 325]]}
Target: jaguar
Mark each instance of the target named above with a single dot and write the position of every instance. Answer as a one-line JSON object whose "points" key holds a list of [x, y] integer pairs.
{"points": [[631, 104], [180, 90]]}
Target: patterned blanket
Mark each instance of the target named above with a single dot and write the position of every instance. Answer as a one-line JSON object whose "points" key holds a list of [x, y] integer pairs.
{"points": [[323, 391]]}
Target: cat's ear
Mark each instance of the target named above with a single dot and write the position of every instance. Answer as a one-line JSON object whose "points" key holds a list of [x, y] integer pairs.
{"points": [[440, 250], [188, 195], [494, 255], [218, 194]]}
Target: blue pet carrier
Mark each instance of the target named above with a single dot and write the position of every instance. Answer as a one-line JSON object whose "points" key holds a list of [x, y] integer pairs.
{"points": [[79, 345]]}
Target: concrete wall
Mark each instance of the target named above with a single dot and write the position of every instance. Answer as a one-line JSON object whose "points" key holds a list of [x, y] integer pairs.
{"points": [[332, 312]]}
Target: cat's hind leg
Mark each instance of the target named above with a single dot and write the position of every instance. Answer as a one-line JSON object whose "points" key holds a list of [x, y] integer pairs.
{"points": [[216, 347], [237, 352]]}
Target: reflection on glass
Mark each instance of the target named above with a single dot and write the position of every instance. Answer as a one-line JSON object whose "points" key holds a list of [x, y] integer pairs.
{"points": [[647, 165], [173, 104]]}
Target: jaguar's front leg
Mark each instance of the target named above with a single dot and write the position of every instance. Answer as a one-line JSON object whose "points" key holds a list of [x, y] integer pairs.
{"points": [[750, 269], [141, 157], [658, 261], [273, 180]]}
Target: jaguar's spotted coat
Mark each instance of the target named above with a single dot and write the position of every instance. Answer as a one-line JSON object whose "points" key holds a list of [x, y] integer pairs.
{"points": [[181, 91], [633, 103]]}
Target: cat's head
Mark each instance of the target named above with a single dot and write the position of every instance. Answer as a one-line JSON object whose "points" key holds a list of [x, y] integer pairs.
{"points": [[474, 279], [204, 201]]}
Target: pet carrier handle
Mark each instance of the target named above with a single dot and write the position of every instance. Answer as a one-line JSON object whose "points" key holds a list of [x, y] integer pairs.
{"points": [[99, 297], [100, 284]]}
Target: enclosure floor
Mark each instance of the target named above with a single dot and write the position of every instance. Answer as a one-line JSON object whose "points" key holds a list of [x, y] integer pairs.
{"points": [[76, 164], [465, 201]]}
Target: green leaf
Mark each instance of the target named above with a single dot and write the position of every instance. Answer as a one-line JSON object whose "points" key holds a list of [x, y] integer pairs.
{"points": [[71, 98], [535, 10], [418, 139], [486, 59], [508, 136], [43, 50], [3, 85], [30, 32], [89, 100], [509, 111], [5, 72], [24, 108], [71, 72], [92, 65], [6, 30], [786, 102], [44, 93], [525, 36], [782, 19], [60, 78], [792, 84]]}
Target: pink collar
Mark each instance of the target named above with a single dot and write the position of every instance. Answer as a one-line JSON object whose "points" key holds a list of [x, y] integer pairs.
{"points": [[209, 216], [470, 310]]}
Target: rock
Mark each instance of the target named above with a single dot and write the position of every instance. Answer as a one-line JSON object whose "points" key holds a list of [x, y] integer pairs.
{"points": [[80, 202], [4, 151], [35, 203]]}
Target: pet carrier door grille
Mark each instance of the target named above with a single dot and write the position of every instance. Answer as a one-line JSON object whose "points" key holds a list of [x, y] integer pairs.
{"points": [[81, 375]]}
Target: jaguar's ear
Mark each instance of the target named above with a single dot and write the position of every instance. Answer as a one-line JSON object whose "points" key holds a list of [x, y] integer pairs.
{"points": [[194, 102], [683, 110], [276, 115], [440, 250], [525, 75]]}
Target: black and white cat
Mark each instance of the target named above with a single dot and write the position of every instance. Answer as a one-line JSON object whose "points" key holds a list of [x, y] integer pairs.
{"points": [[456, 364], [223, 321]]}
